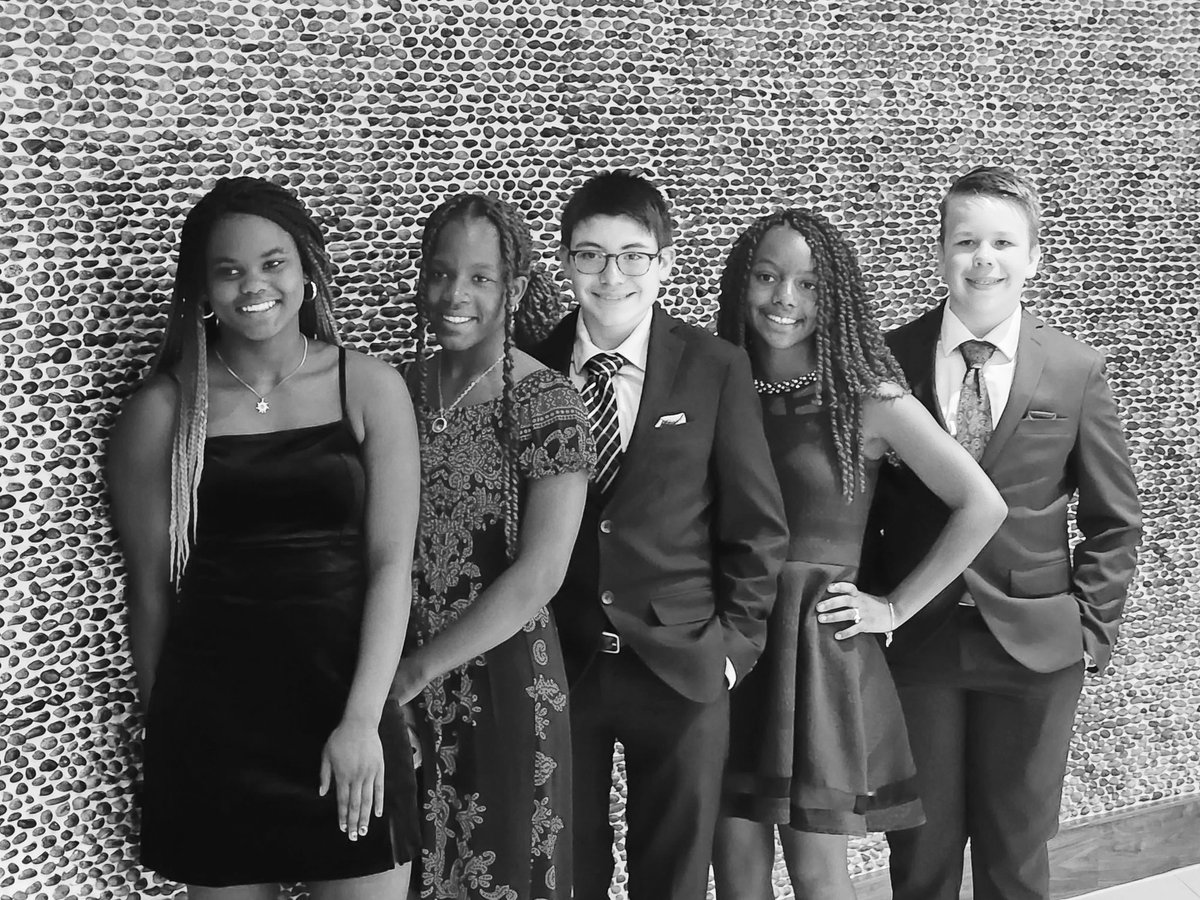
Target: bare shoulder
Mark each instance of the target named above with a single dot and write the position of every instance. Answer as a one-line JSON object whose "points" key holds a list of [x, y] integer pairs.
{"points": [[151, 407], [377, 398], [144, 431], [368, 373], [891, 414]]}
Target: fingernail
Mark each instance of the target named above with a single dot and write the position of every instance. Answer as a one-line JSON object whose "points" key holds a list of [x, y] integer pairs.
{"points": [[363, 830], [823, 618], [342, 825]]}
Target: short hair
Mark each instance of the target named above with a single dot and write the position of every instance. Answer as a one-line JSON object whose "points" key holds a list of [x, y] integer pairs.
{"points": [[620, 192], [1000, 182]]}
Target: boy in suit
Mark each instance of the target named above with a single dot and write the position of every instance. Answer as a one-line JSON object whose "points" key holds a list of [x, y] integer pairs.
{"points": [[990, 672], [665, 603]]}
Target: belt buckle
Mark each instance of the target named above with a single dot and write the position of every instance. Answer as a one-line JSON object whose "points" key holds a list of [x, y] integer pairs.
{"points": [[610, 642]]}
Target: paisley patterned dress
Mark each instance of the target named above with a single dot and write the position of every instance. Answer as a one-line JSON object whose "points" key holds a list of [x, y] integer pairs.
{"points": [[495, 779]]}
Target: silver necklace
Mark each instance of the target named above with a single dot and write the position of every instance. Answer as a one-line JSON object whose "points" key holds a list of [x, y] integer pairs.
{"points": [[262, 405], [785, 387], [440, 423]]}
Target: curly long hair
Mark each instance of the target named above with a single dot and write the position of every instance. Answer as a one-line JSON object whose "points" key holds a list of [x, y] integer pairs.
{"points": [[852, 359], [526, 317], [183, 353]]}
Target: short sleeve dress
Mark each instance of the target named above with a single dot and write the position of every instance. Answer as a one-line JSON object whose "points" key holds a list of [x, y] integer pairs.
{"points": [[495, 777], [256, 668], [817, 736]]}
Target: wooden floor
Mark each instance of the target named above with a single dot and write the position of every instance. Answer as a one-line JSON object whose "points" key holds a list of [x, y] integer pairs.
{"points": [[1182, 884]]}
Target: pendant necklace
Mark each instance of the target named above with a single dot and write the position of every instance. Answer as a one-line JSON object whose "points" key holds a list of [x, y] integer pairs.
{"points": [[262, 406], [785, 387], [440, 422]]}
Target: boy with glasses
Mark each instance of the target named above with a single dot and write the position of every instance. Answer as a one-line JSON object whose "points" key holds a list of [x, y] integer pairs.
{"points": [[665, 603]]}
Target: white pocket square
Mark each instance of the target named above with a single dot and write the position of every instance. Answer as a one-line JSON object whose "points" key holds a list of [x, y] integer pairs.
{"points": [[672, 419]]}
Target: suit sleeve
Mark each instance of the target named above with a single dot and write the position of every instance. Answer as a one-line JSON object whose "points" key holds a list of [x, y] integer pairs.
{"points": [[750, 540], [1108, 516]]}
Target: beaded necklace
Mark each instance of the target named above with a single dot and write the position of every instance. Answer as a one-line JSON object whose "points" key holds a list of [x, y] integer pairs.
{"points": [[785, 387]]}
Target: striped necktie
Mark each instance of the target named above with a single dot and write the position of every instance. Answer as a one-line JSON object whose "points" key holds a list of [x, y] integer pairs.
{"points": [[974, 419], [600, 398]]}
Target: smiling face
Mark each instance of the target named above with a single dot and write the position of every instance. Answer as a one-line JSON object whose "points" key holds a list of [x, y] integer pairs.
{"points": [[985, 259], [611, 302], [465, 287], [782, 293], [254, 277]]}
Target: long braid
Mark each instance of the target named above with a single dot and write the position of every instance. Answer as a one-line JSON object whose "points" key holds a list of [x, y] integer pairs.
{"points": [[853, 360], [509, 408], [184, 357], [539, 311]]}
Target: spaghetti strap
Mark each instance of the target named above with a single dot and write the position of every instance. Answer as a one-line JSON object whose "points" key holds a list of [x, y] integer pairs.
{"points": [[342, 378]]}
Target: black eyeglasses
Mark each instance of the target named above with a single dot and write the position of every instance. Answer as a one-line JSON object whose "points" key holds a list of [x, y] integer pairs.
{"points": [[631, 262]]}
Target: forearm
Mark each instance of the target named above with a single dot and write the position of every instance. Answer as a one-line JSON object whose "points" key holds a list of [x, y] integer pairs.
{"points": [[147, 633], [966, 532], [499, 612], [385, 622]]}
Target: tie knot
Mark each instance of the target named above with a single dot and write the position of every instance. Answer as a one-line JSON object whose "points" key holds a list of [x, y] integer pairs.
{"points": [[976, 353], [604, 365]]}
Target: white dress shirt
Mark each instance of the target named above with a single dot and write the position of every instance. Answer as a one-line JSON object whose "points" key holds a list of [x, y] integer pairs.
{"points": [[949, 367], [628, 382]]}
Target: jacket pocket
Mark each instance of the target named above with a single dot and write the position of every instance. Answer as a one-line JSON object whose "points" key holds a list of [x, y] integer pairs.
{"points": [[1044, 581], [683, 608]]}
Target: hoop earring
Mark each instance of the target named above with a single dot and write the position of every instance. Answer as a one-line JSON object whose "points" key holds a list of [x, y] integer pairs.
{"points": [[211, 314], [309, 292]]}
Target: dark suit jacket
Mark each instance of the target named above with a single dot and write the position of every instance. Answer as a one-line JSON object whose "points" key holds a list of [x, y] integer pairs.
{"points": [[1059, 434], [681, 555]]}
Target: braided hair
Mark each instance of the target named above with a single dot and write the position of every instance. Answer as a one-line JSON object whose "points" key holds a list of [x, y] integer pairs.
{"points": [[539, 308], [852, 359], [183, 353]]}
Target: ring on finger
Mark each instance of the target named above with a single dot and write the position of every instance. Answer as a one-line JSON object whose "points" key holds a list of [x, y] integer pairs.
{"points": [[857, 615]]}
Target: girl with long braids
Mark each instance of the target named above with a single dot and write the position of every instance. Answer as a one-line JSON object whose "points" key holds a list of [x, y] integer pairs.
{"points": [[506, 452], [818, 747], [264, 485]]}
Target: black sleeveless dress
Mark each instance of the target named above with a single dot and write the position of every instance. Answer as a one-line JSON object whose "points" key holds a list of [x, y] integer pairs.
{"points": [[256, 668], [817, 735]]}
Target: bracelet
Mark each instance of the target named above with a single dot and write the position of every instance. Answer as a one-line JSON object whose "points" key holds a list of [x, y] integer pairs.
{"points": [[887, 635]]}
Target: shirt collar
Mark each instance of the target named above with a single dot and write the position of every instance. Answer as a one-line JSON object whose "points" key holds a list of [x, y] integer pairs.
{"points": [[635, 348], [1004, 336]]}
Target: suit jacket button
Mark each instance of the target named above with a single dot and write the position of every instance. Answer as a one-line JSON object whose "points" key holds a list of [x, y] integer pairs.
{"points": [[607, 598], [606, 526]]}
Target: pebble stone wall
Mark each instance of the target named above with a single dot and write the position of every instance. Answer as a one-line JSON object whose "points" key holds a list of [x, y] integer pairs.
{"points": [[116, 116]]}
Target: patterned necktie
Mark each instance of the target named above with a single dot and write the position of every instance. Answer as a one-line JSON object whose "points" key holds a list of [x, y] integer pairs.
{"points": [[600, 398], [974, 419]]}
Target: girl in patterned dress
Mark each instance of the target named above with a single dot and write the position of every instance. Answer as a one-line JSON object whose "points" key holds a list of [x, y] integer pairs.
{"points": [[505, 458]]}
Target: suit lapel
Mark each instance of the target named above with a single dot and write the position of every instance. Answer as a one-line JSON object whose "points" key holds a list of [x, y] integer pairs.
{"points": [[662, 359], [559, 345], [1031, 358], [923, 351]]}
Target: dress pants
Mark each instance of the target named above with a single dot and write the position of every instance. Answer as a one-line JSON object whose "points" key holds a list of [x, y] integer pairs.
{"points": [[674, 755], [990, 741]]}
